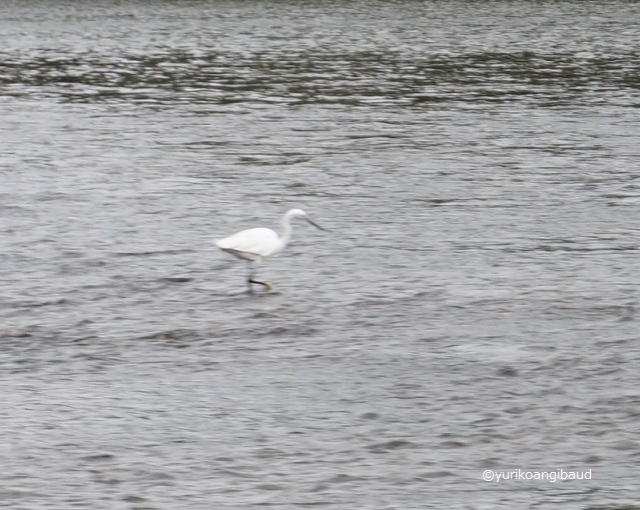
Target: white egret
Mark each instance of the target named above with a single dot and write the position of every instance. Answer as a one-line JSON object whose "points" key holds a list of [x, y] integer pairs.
{"points": [[255, 244]]}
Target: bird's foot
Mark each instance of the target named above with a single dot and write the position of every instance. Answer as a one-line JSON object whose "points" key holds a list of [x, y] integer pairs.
{"points": [[268, 285]]}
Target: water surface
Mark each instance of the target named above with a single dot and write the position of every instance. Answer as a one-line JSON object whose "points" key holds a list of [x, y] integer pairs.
{"points": [[472, 306]]}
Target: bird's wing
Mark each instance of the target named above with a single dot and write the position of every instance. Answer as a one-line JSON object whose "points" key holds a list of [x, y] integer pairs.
{"points": [[256, 241]]}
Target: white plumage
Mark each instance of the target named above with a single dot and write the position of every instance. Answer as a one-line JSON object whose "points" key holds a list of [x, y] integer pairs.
{"points": [[255, 243], [252, 244]]}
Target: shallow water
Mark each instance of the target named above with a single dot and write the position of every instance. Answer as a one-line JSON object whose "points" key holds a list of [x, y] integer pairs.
{"points": [[471, 307]]}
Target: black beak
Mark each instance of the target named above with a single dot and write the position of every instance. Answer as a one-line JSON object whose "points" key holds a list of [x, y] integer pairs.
{"points": [[314, 224]]}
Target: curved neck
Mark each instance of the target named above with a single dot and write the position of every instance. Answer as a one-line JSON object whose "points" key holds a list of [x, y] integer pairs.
{"points": [[285, 225]]}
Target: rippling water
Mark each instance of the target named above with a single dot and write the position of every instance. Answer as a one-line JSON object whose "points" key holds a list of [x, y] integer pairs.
{"points": [[472, 307]]}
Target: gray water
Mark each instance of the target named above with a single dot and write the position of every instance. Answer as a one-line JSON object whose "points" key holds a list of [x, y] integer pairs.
{"points": [[472, 305]]}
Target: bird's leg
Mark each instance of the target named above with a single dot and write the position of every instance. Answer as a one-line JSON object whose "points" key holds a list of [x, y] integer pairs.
{"points": [[251, 278]]}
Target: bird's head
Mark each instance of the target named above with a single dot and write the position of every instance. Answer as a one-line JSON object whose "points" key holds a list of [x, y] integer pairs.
{"points": [[299, 213]]}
